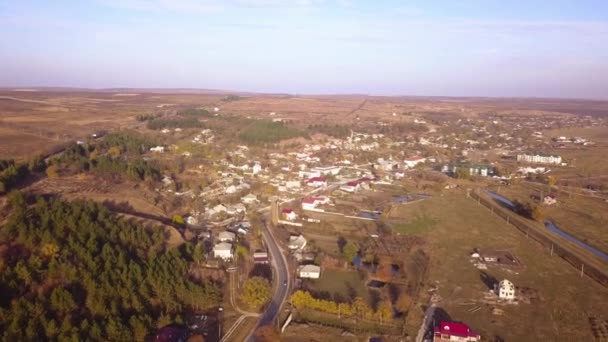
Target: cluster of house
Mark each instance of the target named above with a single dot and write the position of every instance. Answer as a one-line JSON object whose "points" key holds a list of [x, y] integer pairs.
{"points": [[573, 140], [471, 169], [297, 246], [539, 158], [205, 137], [224, 248]]}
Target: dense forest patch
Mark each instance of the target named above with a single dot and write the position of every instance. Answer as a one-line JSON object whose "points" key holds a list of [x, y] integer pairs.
{"points": [[74, 270]]}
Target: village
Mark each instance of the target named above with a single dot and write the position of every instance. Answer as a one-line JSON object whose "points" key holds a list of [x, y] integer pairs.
{"points": [[405, 225], [334, 205]]}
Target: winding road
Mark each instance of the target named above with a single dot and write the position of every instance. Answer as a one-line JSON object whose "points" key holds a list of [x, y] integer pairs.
{"points": [[281, 274]]}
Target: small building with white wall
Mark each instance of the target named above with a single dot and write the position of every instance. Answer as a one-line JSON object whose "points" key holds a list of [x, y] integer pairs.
{"points": [[505, 290], [309, 271]]}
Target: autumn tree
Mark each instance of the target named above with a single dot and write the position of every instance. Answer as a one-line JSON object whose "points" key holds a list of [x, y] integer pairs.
{"points": [[350, 251], [256, 292]]}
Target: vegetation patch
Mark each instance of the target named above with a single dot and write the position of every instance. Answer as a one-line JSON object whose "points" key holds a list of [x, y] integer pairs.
{"points": [[73, 270], [338, 285], [268, 132], [420, 224]]}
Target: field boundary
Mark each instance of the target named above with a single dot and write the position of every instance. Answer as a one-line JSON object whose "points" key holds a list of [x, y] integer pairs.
{"points": [[555, 246]]}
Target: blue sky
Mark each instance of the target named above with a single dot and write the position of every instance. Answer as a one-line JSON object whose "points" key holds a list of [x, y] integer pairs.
{"points": [[534, 48]]}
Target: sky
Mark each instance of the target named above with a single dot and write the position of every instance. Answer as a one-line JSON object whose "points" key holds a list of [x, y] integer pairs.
{"points": [[514, 48]]}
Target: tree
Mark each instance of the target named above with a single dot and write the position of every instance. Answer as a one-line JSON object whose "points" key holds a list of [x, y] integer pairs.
{"points": [[350, 251], [256, 292], [178, 219], [463, 173], [385, 311], [52, 171], [538, 213], [198, 254], [341, 243]]}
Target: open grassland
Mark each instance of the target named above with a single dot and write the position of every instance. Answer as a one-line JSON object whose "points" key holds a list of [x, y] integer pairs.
{"points": [[562, 303], [339, 285], [67, 115], [580, 216]]}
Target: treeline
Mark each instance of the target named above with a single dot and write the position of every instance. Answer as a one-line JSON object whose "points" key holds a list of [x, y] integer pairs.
{"points": [[265, 132], [74, 271], [336, 131], [117, 155], [403, 128], [13, 173], [174, 122], [188, 118], [359, 307]]}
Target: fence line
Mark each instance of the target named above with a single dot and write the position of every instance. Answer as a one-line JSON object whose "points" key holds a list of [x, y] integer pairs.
{"points": [[554, 246]]}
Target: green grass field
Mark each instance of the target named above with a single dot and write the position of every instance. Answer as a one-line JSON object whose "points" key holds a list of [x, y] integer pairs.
{"points": [[339, 284], [421, 223]]}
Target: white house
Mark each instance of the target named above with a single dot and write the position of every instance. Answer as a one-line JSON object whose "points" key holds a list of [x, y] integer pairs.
{"points": [[157, 149], [296, 242], [226, 236], [327, 170], [505, 290], [317, 182], [413, 161], [550, 199], [249, 199], [289, 214], [309, 271], [541, 158], [223, 250], [310, 203], [257, 168]]}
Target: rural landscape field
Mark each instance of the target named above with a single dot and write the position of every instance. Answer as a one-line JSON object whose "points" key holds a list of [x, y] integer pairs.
{"points": [[382, 196], [303, 171]]}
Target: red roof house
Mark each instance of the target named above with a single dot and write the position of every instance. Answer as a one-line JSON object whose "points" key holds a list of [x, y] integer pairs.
{"points": [[452, 331]]}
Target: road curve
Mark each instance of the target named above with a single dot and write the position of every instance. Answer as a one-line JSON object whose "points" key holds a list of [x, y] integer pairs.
{"points": [[281, 274]]}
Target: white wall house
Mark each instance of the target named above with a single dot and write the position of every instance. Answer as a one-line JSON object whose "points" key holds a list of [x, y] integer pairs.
{"points": [[413, 161], [223, 250], [290, 215], [249, 199], [317, 182], [157, 149], [309, 271], [226, 236], [541, 158], [505, 290]]}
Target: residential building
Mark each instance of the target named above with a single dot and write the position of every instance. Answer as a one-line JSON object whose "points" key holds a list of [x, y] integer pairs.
{"points": [[505, 290], [223, 250], [309, 271], [249, 199], [158, 149], [289, 214], [317, 182], [550, 199], [310, 203], [260, 257], [540, 158], [257, 168], [226, 236], [472, 169], [452, 331], [296, 242], [413, 161]]}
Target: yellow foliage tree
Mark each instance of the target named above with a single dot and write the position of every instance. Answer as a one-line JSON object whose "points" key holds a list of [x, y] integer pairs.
{"points": [[52, 171], [49, 250]]}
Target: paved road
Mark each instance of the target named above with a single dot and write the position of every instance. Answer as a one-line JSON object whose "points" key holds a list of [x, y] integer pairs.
{"points": [[281, 274]]}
